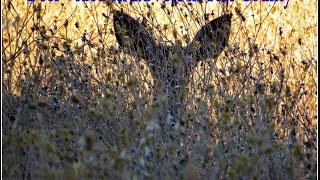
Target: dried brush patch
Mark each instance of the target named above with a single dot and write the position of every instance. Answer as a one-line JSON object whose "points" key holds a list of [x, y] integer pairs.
{"points": [[77, 106]]}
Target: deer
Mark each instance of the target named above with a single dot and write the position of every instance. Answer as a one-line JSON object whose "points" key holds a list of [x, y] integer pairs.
{"points": [[171, 65]]}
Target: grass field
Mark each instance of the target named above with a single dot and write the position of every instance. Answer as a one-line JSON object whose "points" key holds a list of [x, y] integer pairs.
{"points": [[76, 106]]}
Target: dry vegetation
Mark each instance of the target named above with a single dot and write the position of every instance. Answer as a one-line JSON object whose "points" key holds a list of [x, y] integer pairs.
{"points": [[76, 107]]}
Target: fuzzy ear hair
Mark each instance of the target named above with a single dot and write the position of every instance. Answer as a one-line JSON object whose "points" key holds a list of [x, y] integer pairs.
{"points": [[211, 39], [132, 36]]}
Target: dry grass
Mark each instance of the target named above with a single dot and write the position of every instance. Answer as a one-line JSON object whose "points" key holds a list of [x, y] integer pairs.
{"points": [[77, 107]]}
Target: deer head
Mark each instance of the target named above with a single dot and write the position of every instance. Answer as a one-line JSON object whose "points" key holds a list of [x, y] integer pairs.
{"points": [[171, 66]]}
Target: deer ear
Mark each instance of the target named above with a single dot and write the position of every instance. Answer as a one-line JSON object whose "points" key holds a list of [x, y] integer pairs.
{"points": [[211, 39], [132, 36]]}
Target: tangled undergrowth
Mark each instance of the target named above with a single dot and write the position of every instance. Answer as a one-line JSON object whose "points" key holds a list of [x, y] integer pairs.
{"points": [[76, 107]]}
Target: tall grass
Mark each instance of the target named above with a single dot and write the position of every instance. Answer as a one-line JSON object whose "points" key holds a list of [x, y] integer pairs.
{"points": [[76, 107]]}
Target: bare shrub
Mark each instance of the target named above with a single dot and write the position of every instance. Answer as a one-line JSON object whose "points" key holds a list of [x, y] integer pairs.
{"points": [[78, 105]]}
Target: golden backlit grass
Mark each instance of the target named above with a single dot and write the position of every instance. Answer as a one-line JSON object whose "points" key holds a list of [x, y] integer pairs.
{"points": [[268, 73], [291, 31], [263, 22]]}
